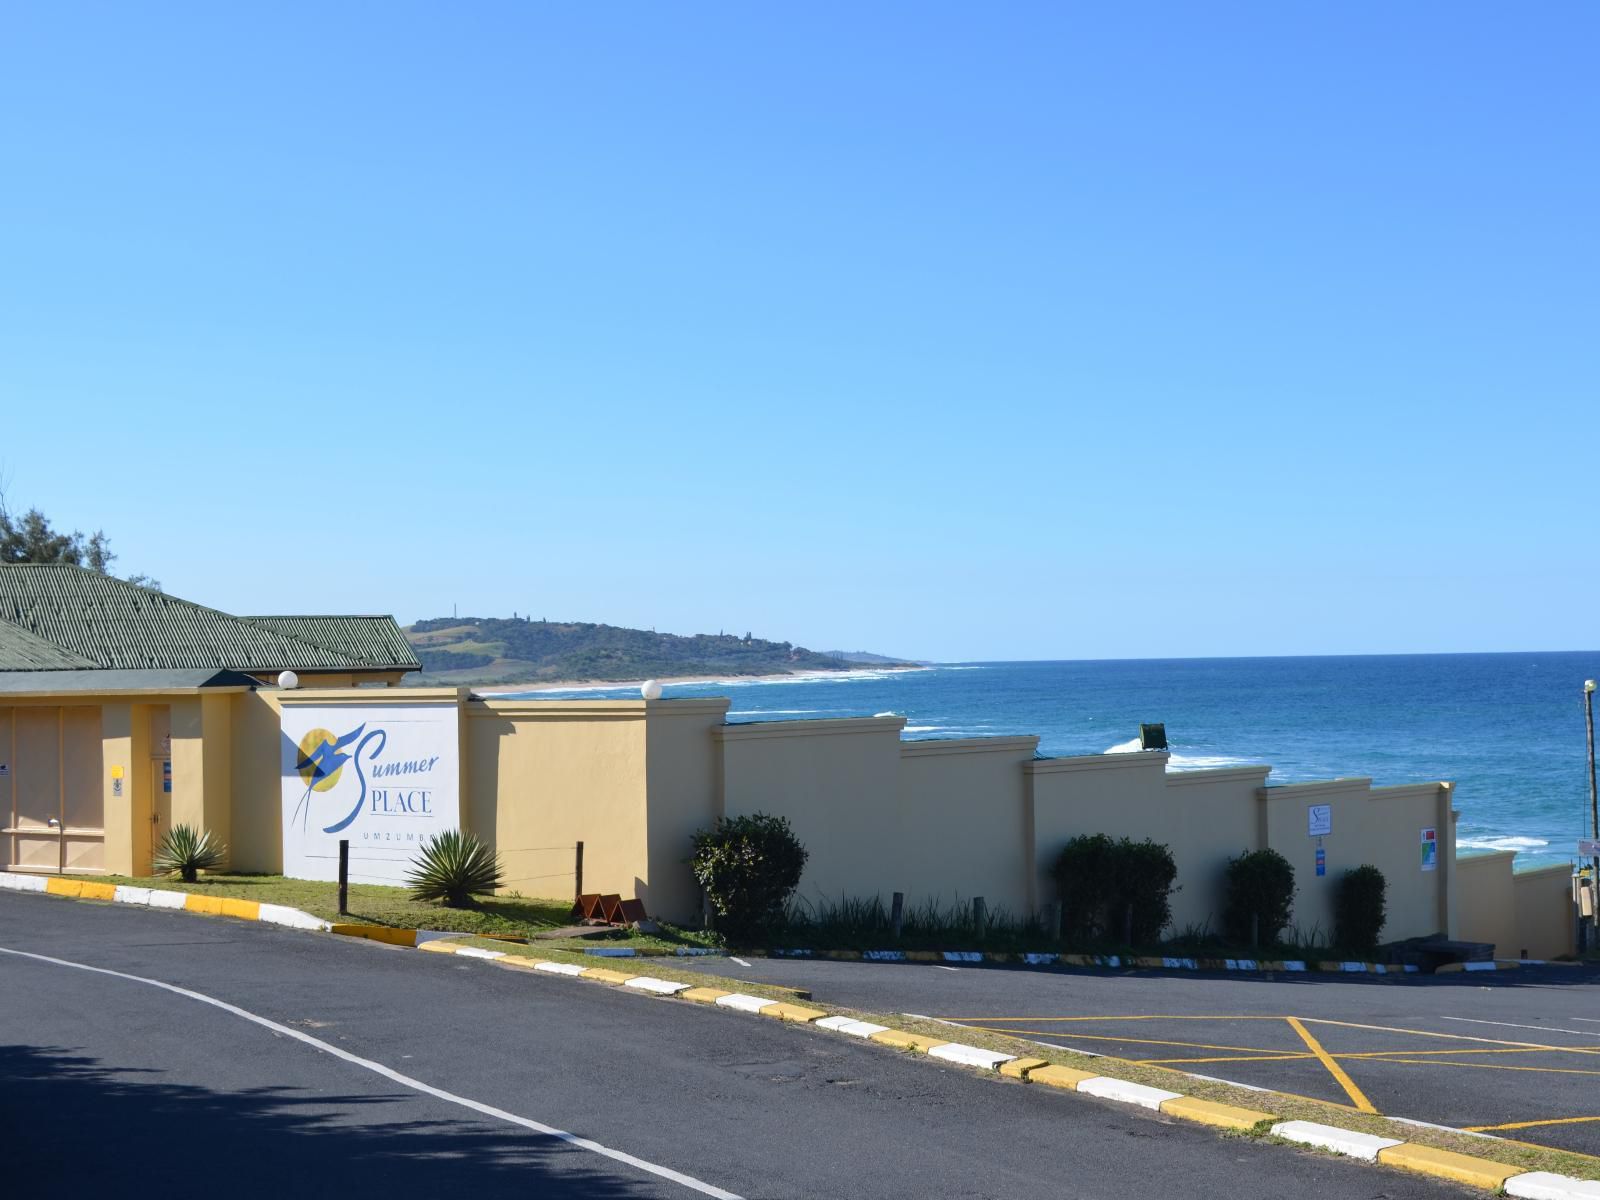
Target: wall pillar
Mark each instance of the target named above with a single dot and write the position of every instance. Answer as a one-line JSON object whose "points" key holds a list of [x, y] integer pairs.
{"points": [[202, 764]]}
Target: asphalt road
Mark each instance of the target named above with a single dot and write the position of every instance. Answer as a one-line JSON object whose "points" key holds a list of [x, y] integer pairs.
{"points": [[108, 1083], [1460, 1050]]}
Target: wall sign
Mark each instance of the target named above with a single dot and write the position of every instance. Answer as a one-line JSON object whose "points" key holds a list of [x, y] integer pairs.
{"points": [[1322, 861], [1430, 849], [5, 769], [385, 777], [1319, 820]]}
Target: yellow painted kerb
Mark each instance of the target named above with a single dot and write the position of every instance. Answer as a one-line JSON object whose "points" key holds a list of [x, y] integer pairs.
{"points": [[913, 1041], [1208, 1112], [1446, 1164]]}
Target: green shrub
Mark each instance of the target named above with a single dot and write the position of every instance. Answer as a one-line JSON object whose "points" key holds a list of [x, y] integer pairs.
{"points": [[749, 867], [454, 866], [1099, 880], [1260, 893], [1359, 910], [184, 852]]}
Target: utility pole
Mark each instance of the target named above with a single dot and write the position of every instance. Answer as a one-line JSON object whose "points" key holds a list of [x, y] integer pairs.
{"points": [[1594, 800]]}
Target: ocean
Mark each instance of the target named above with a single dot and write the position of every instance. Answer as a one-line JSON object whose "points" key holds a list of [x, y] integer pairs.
{"points": [[1508, 729]]}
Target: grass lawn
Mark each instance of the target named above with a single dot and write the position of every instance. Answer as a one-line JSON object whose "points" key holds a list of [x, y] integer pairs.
{"points": [[372, 904]]}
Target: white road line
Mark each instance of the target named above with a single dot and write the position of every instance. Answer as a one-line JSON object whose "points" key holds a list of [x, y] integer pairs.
{"points": [[1511, 1025], [740, 961], [937, 967], [377, 1068], [1587, 1020]]}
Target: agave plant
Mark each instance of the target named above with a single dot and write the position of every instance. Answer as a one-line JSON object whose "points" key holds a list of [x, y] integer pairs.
{"points": [[186, 852], [454, 866]]}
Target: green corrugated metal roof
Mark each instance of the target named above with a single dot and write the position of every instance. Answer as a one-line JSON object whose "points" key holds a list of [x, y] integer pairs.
{"points": [[23, 651], [101, 680], [110, 623], [376, 641]]}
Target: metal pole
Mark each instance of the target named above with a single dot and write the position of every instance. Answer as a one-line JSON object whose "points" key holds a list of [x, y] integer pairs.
{"points": [[577, 870], [1594, 800], [344, 877]]}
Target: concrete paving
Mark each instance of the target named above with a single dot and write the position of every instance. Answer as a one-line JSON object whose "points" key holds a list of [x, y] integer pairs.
{"points": [[109, 1084], [1514, 1052]]}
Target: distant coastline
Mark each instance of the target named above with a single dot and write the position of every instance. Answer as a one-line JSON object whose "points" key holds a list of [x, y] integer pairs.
{"points": [[610, 685]]}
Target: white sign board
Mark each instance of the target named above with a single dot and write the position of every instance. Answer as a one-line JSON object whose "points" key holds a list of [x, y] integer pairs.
{"points": [[383, 776], [1319, 820]]}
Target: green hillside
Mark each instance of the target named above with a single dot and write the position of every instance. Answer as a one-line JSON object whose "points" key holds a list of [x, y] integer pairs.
{"points": [[495, 650]]}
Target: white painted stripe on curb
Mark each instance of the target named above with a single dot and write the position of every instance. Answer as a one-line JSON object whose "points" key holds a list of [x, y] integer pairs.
{"points": [[963, 956], [1294, 966], [1364, 1146], [132, 895], [1546, 1185], [475, 952], [1480, 966], [1127, 1093], [1040, 960], [696, 952], [860, 1029], [162, 899], [969, 1056], [661, 987], [22, 883], [556, 968], [293, 918], [1353, 968], [416, 1085], [611, 951], [738, 1000], [884, 955]]}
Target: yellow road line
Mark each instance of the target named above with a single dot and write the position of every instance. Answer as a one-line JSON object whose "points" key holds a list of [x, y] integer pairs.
{"points": [[1132, 1041], [1453, 1037], [1428, 1062], [1158, 1062], [1356, 1094], [1529, 1124]]}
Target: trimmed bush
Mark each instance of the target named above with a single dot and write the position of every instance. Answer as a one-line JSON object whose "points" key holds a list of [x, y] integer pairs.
{"points": [[1359, 909], [1099, 880], [1260, 893], [749, 867], [454, 866], [184, 852]]}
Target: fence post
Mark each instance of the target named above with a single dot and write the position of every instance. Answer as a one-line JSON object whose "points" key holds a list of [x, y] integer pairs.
{"points": [[897, 913], [980, 916], [344, 877], [577, 869]]}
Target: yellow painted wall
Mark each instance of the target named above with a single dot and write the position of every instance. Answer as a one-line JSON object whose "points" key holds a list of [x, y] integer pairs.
{"points": [[256, 811], [1487, 901], [838, 784], [1545, 925], [962, 827], [546, 775], [1377, 826], [682, 772]]}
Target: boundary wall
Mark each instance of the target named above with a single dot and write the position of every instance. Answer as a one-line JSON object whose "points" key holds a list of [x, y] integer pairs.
{"points": [[940, 820]]}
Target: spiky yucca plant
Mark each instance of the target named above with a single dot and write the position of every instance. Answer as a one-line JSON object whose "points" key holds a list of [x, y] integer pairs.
{"points": [[454, 866], [186, 852]]}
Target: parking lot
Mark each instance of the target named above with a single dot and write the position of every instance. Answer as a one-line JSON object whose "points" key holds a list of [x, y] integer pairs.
{"points": [[1513, 1054]]}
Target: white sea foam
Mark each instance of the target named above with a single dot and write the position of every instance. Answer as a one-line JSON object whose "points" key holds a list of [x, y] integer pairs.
{"points": [[922, 728], [1127, 747], [1204, 762], [1500, 843]]}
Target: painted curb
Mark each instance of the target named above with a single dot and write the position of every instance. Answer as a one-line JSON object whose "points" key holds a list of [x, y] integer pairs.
{"points": [[1104, 961], [1127, 1093], [1347, 1142], [122, 893], [1546, 1185]]}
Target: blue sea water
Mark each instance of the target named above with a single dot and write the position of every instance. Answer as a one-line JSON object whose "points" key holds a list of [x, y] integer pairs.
{"points": [[1508, 729]]}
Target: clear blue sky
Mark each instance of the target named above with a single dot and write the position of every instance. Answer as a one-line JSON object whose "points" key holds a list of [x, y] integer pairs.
{"points": [[958, 331]]}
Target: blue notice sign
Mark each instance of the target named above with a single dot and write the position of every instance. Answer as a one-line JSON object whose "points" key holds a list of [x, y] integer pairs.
{"points": [[166, 776], [1322, 861]]}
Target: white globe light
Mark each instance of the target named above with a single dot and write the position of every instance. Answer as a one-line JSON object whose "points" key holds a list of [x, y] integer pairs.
{"points": [[651, 690], [288, 680]]}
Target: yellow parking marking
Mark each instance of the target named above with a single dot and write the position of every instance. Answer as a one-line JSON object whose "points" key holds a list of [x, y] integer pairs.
{"points": [[1357, 1096], [1155, 1017], [1453, 1037], [1262, 1057], [1428, 1062], [1530, 1124], [1101, 1037]]}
